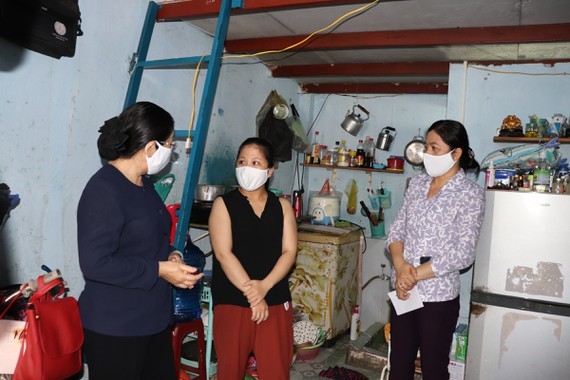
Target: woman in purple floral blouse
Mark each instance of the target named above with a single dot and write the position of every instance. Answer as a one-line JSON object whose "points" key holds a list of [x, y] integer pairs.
{"points": [[433, 237]]}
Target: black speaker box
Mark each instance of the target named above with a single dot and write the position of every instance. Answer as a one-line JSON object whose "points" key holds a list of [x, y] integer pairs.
{"points": [[48, 27]]}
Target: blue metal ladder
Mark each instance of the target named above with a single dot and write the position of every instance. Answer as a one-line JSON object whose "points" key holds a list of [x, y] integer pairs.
{"points": [[213, 61]]}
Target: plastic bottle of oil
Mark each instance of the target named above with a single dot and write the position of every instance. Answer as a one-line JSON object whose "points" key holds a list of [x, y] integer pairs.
{"points": [[315, 150]]}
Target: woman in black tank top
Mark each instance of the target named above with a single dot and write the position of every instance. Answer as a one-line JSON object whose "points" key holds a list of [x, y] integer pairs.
{"points": [[254, 238]]}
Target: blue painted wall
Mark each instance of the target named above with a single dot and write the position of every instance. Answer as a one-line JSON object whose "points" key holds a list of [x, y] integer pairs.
{"points": [[50, 111]]}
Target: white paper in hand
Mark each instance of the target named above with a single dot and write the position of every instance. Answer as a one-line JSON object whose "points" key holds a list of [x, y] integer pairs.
{"points": [[404, 306]]}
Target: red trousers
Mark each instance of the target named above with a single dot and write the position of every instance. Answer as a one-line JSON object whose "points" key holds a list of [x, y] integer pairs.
{"points": [[236, 336]]}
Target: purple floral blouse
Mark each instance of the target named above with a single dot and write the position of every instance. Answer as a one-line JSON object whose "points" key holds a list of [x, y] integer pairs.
{"points": [[445, 227]]}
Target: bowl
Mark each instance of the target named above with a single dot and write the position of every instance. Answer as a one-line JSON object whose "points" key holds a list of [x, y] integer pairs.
{"points": [[308, 353]]}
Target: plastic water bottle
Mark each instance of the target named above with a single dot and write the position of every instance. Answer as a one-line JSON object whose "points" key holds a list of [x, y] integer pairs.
{"points": [[187, 305]]}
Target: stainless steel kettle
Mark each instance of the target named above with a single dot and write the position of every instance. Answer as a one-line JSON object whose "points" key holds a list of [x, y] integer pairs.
{"points": [[385, 138], [352, 122]]}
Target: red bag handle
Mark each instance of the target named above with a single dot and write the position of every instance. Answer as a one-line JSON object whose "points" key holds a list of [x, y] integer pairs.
{"points": [[14, 298], [45, 287], [54, 280]]}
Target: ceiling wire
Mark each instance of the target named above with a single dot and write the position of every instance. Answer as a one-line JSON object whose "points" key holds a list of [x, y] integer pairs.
{"points": [[338, 20], [334, 23], [517, 72], [188, 143]]}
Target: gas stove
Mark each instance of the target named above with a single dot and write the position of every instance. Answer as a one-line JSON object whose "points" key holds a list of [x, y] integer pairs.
{"points": [[200, 212]]}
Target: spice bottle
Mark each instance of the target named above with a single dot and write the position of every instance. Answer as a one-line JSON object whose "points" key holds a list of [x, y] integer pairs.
{"points": [[352, 162], [343, 156], [360, 154]]}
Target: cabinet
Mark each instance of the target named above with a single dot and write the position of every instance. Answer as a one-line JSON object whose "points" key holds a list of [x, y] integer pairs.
{"points": [[326, 282]]}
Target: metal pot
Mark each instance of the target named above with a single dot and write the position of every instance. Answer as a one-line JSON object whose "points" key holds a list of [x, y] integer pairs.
{"points": [[395, 162], [414, 151], [385, 138], [208, 193], [352, 122]]}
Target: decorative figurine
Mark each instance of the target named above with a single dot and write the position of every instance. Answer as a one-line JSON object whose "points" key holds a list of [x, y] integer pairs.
{"points": [[511, 127]]}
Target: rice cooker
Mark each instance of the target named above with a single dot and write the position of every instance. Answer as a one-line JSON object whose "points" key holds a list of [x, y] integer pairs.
{"points": [[325, 209]]}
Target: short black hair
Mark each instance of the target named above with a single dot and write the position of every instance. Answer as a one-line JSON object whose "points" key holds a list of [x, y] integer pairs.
{"points": [[136, 126]]}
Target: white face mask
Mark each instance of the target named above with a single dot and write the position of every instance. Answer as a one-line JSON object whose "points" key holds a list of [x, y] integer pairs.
{"points": [[158, 160], [438, 165], [250, 178]]}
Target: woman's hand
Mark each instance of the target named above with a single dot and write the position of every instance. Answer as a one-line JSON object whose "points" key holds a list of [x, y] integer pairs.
{"points": [[260, 312], [255, 291], [406, 275], [176, 256], [178, 274]]}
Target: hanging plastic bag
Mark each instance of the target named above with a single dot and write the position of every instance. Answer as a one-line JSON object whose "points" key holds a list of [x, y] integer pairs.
{"points": [[351, 192], [271, 126], [300, 140], [324, 205], [524, 156]]}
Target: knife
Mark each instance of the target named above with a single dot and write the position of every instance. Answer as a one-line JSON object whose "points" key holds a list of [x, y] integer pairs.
{"points": [[370, 215]]}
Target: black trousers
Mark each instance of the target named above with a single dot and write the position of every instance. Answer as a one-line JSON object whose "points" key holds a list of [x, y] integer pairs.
{"points": [[429, 329], [129, 358]]}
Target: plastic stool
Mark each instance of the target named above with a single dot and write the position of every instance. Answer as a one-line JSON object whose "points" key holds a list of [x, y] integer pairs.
{"points": [[179, 333]]}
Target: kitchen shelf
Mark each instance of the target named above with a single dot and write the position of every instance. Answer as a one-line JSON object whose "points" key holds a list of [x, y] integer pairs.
{"points": [[331, 167], [506, 139]]}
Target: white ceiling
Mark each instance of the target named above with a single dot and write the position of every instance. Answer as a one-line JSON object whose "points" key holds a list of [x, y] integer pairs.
{"points": [[403, 15]]}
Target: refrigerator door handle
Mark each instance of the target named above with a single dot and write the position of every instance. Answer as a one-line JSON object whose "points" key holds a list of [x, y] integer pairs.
{"points": [[520, 303]]}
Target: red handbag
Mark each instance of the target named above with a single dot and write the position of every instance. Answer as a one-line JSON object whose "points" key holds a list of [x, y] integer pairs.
{"points": [[53, 335]]}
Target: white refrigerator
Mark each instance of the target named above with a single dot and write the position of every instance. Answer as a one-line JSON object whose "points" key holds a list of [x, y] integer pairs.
{"points": [[519, 324]]}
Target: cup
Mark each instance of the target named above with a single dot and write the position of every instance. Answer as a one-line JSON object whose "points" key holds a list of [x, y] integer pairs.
{"points": [[386, 199], [377, 232], [374, 201]]}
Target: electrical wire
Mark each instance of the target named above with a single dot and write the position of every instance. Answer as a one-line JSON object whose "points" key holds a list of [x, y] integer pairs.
{"points": [[337, 21], [517, 72], [317, 117], [361, 231], [196, 72]]}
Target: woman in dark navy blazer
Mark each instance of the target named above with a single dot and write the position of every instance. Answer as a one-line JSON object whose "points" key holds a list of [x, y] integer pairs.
{"points": [[125, 254]]}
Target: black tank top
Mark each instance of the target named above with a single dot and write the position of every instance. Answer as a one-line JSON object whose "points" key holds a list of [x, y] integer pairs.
{"points": [[257, 244]]}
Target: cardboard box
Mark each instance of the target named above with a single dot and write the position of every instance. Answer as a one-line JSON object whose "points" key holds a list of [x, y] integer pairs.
{"points": [[456, 369], [459, 343]]}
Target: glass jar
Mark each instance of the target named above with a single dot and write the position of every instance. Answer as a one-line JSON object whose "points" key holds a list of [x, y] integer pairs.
{"points": [[502, 179], [323, 151], [343, 158], [352, 159], [327, 157], [558, 186]]}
